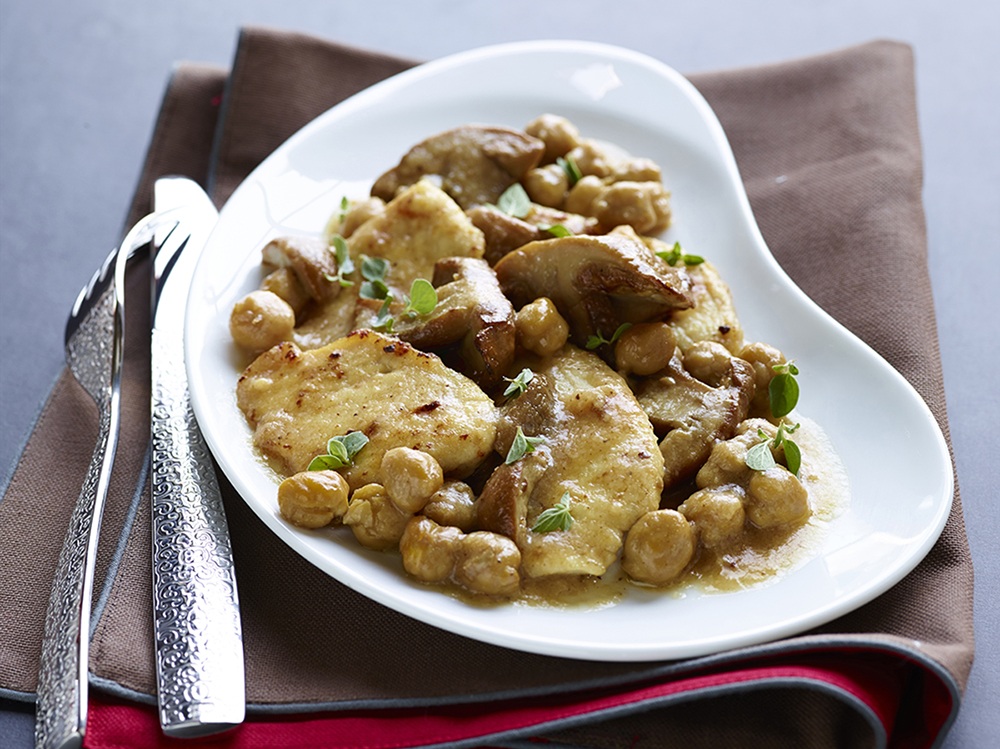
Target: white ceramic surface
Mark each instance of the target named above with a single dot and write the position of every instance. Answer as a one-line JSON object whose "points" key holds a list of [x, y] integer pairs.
{"points": [[894, 453]]}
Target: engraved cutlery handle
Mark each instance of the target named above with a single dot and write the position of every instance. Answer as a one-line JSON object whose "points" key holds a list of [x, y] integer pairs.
{"points": [[94, 351], [61, 712], [199, 642]]}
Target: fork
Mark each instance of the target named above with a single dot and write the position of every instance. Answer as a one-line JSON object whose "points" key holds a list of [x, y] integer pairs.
{"points": [[94, 352]]}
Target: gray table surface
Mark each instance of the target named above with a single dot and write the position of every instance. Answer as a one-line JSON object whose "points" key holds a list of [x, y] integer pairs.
{"points": [[80, 86]]}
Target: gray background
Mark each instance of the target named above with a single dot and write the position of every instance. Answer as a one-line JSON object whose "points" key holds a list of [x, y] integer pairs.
{"points": [[80, 83]]}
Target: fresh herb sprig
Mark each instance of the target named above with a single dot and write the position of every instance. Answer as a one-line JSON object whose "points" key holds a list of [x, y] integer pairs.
{"points": [[373, 271], [569, 165], [596, 341], [676, 255], [514, 201], [421, 300], [555, 518], [760, 458], [783, 390], [521, 446], [519, 384], [340, 452], [558, 230], [345, 266]]}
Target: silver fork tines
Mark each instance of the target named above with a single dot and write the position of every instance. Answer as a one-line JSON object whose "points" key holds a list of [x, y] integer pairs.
{"points": [[94, 349]]}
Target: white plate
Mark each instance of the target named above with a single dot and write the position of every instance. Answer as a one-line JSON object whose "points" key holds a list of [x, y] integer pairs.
{"points": [[894, 453]]}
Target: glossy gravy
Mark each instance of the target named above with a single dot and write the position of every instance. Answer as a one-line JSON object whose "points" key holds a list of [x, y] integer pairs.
{"points": [[761, 558]]}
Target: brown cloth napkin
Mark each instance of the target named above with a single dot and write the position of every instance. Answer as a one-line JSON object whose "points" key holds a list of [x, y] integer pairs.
{"points": [[846, 222]]}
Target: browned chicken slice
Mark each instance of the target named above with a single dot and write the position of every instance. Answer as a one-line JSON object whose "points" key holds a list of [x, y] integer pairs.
{"points": [[367, 382], [713, 316], [474, 163], [472, 315], [596, 282], [692, 414], [599, 452], [421, 226]]}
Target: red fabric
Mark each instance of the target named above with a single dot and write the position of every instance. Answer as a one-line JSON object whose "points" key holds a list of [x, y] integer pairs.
{"points": [[878, 680]]}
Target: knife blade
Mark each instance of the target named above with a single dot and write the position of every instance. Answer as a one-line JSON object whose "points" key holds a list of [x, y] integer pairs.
{"points": [[197, 627]]}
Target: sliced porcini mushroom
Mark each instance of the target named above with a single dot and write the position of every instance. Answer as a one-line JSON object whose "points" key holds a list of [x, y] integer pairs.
{"points": [[471, 312], [598, 451], [596, 282], [693, 415], [474, 163], [310, 258], [505, 233]]}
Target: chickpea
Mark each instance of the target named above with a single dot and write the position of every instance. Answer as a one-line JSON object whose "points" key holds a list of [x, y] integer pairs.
{"points": [[261, 320], [376, 522], [286, 284], [429, 550], [453, 504], [717, 514], [540, 328], [637, 170], [313, 499], [547, 185], [762, 358], [658, 547], [559, 135], [645, 206], [592, 159], [709, 362], [410, 477], [725, 465], [488, 563], [645, 348], [584, 195], [776, 497], [727, 462]]}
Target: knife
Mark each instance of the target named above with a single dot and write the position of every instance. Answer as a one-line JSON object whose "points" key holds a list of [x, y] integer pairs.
{"points": [[199, 640]]}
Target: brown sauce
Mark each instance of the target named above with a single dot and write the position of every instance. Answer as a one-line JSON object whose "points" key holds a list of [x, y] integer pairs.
{"points": [[761, 557]]}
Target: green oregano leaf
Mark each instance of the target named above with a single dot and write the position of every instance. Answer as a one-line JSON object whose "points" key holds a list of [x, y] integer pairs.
{"points": [[595, 341], [514, 201], [521, 446], [518, 384], [345, 266], [558, 230], [783, 390], [555, 518], [759, 457], [569, 165], [793, 456], [423, 298], [340, 452], [676, 255]]}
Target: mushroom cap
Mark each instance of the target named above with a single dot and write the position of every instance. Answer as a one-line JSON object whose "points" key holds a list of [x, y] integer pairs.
{"points": [[692, 415], [471, 312], [475, 163], [310, 259], [596, 282]]}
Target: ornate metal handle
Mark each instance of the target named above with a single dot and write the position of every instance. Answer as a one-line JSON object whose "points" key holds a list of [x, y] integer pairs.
{"points": [[199, 642], [61, 713]]}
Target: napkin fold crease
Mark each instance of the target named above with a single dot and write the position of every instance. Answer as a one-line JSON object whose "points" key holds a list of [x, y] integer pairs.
{"points": [[829, 151]]}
